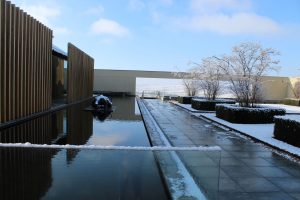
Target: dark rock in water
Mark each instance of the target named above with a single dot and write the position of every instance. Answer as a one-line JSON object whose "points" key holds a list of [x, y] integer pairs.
{"points": [[102, 102]]}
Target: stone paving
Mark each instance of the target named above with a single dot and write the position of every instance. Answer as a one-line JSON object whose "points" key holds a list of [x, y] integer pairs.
{"points": [[247, 170]]}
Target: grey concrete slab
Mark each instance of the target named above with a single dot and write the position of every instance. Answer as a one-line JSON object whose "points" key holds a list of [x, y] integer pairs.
{"points": [[272, 172], [287, 184], [240, 171], [256, 184], [225, 195], [247, 170], [271, 196]]}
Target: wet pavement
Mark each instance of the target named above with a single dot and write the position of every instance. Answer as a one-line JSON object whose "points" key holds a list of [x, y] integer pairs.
{"points": [[247, 170]]}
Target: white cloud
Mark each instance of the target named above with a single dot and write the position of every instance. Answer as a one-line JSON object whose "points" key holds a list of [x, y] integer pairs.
{"points": [[226, 17], [239, 23], [42, 13], [109, 27], [46, 14], [95, 10]]}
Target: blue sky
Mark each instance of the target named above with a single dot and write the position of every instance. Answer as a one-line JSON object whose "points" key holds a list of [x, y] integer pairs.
{"points": [[168, 34]]}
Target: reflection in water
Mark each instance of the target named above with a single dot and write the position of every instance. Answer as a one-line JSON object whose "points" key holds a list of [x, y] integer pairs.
{"points": [[123, 128], [94, 174], [25, 173], [42, 130], [77, 126], [101, 115]]}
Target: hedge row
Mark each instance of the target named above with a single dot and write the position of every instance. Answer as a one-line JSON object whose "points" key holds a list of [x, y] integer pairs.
{"points": [[209, 105], [292, 102], [243, 115], [185, 99], [287, 131], [167, 98]]}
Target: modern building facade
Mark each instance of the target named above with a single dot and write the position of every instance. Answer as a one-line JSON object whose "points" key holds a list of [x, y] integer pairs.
{"points": [[32, 75]]}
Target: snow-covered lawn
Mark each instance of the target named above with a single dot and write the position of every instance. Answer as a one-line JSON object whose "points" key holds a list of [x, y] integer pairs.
{"points": [[262, 132], [289, 109], [295, 118]]}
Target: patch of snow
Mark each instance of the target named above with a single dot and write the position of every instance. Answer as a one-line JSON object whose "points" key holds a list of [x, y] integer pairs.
{"points": [[135, 148], [58, 50], [295, 118], [289, 109], [262, 132]]}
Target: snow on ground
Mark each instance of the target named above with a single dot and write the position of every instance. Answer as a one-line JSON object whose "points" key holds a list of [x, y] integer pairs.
{"points": [[295, 118], [99, 147], [289, 109], [262, 132]]}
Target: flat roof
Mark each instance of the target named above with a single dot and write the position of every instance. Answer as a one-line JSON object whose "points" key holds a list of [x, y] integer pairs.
{"points": [[58, 52]]}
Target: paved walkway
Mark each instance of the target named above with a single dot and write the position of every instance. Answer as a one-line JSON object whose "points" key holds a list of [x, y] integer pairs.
{"points": [[247, 170]]}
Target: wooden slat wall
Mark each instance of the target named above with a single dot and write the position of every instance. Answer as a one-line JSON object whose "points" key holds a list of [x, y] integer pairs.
{"points": [[25, 58], [80, 74]]}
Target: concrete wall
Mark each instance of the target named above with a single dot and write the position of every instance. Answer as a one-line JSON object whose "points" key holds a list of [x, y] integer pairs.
{"points": [[274, 88], [106, 80], [291, 86], [114, 81]]}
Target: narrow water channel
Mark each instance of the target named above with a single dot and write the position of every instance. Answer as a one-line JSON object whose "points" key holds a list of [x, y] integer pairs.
{"points": [[78, 125], [45, 173]]}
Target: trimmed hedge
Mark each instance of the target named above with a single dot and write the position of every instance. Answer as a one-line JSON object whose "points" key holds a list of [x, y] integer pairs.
{"points": [[243, 115], [209, 105], [174, 98], [287, 131], [185, 100], [292, 102]]}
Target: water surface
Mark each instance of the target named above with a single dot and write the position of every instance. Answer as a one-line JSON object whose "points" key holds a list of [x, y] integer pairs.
{"points": [[75, 125]]}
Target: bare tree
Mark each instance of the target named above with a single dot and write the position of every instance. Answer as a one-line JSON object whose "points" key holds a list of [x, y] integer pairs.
{"points": [[190, 82], [208, 72], [244, 69]]}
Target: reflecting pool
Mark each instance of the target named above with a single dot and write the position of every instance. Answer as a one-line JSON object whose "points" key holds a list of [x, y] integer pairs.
{"points": [[33, 173], [78, 125]]}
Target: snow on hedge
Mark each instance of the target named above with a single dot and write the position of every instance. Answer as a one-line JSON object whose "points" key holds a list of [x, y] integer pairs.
{"points": [[250, 109], [216, 100]]}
